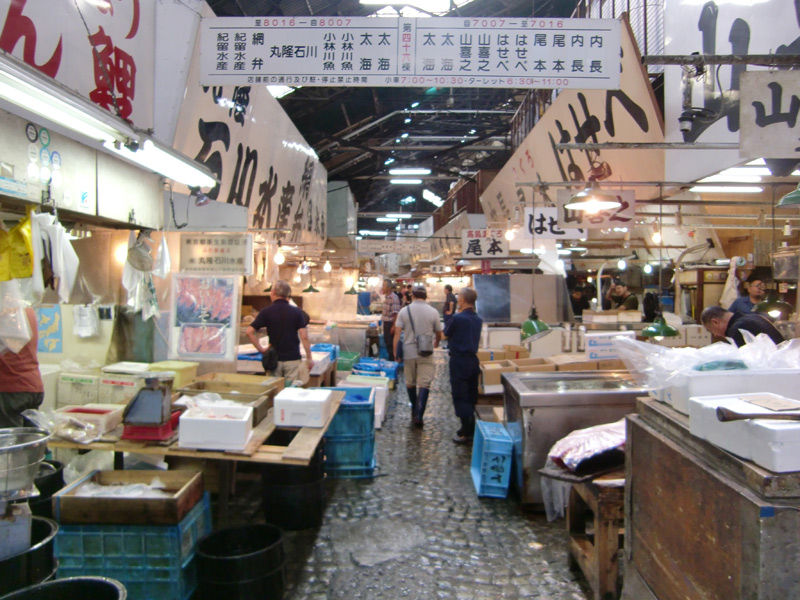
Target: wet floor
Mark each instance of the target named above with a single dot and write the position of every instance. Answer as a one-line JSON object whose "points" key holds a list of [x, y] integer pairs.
{"points": [[418, 529]]}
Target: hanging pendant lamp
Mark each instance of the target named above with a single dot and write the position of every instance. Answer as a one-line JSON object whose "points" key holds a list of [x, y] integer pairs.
{"points": [[592, 200], [659, 329], [790, 199]]}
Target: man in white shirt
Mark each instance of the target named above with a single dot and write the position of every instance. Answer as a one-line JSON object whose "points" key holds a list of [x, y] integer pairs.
{"points": [[421, 325]]}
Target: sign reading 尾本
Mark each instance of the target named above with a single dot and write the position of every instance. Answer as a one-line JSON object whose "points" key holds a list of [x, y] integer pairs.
{"points": [[403, 52], [604, 219], [545, 222], [769, 105], [224, 253], [484, 243]]}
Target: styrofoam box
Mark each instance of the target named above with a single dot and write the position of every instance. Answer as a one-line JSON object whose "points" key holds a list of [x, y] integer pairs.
{"points": [[783, 382], [216, 428], [322, 361], [106, 416], [497, 337], [772, 444], [49, 375], [300, 407], [600, 345], [77, 387], [118, 388]]}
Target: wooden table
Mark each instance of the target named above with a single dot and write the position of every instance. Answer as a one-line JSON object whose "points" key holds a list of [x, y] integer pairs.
{"points": [[701, 523], [298, 452]]}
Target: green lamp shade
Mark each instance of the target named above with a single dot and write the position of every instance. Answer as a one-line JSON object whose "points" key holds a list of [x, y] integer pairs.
{"points": [[532, 327], [268, 289], [659, 328], [790, 199], [310, 290], [774, 308], [352, 291]]}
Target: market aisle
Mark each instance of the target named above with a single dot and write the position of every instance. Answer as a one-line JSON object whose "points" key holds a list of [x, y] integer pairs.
{"points": [[418, 530]]}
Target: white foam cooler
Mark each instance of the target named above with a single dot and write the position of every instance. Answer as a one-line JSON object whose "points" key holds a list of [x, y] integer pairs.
{"points": [[301, 407], [772, 444], [784, 382]]}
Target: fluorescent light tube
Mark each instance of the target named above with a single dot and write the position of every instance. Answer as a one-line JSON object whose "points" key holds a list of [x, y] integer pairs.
{"points": [[386, 220], [398, 215], [410, 171], [405, 181], [166, 162], [726, 189]]}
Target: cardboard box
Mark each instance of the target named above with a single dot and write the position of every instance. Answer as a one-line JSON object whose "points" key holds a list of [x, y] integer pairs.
{"points": [[515, 351], [185, 489], [490, 371], [600, 345], [529, 365], [606, 316], [77, 388], [613, 364], [216, 428], [302, 407], [185, 371], [489, 354]]}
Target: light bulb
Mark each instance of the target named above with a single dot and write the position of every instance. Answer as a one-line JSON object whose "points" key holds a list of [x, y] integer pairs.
{"points": [[349, 282], [510, 234], [297, 278], [656, 237], [590, 279], [775, 313], [279, 258], [648, 269], [327, 266], [621, 264], [787, 229], [121, 253]]}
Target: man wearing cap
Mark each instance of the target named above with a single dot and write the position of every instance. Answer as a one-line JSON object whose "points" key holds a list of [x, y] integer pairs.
{"points": [[416, 320], [621, 297], [463, 336]]}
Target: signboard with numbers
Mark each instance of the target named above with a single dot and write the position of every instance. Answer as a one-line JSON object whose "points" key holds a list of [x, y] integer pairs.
{"points": [[604, 219], [225, 254], [403, 52], [484, 243], [770, 104], [544, 222]]}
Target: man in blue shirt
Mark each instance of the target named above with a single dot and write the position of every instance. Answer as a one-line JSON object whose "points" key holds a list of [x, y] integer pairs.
{"points": [[755, 294], [463, 337]]}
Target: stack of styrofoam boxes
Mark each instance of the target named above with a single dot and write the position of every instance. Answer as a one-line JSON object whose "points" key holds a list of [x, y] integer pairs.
{"points": [[600, 345], [773, 444], [120, 382], [350, 439]]}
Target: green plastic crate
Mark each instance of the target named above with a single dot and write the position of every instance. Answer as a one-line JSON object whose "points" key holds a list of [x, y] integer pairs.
{"points": [[347, 360]]}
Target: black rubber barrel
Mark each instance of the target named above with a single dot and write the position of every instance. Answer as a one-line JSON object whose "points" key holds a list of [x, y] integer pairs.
{"points": [[241, 563], [89, 588], [49, 480], [35, 564], [294, 507]]}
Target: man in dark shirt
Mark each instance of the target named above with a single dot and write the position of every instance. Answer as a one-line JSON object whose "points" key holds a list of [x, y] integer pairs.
{"points": [[755, 294], [286, 328], [450, 304], [463, 337], [621, 297], [725, 324]]}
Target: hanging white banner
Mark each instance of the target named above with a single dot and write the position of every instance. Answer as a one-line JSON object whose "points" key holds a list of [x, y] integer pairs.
{"points": [[484, 243], [60, 39], [604, 219], [544, 222], [402, 52], [769, 110]]}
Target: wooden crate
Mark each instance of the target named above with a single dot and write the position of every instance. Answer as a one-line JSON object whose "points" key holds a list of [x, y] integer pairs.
{"points": [[258, 395], [185, 488]]}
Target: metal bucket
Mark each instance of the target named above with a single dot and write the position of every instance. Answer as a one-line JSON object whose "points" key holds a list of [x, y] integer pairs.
{"points": [[21, 451]]}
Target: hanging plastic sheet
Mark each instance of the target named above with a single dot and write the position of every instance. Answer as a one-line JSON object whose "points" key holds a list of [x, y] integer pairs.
{"points": [[85, 321], [15, 329], [131, 337], [136, 280], [16, 251], [162, 264], [731, 290]]}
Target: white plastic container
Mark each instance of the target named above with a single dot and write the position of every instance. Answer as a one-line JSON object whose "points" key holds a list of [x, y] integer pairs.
{"points": [[300, 407], [49, 375], [130, 368], [107, 417], [600, 345], [118, 388], [216, 428], [774, 445], [77, 388]]}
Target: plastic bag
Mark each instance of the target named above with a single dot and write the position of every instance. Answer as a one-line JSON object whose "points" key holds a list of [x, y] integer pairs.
{"points": [[162, 266], [94, 460], [16, 251], [731, 290], [64, 426], [85, 321], [154, 489], [15, 328], [583, 444]]}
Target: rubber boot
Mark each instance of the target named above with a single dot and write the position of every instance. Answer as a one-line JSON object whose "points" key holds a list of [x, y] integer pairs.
{"points": [[412, 395], [423, 402]]}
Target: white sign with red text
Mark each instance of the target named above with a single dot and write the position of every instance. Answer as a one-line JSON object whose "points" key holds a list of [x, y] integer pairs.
{"points": [[103, 51]]}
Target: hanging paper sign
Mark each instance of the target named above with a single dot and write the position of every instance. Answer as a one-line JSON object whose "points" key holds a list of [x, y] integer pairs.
{"points": [[402, 52], [484, 243], [204, 322], [604, 219], [371, 247], [542, 222], [769, 105], [223, 254], [50, 329]]}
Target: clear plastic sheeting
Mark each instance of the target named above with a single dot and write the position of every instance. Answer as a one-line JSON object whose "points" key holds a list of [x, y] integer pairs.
{"points": [[15, 330], [155, 489], [582, 444], [94, 460], [64, 426], [658, 367]]}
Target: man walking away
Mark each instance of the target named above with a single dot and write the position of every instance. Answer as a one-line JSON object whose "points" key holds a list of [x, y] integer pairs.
{"points": [[450, 304], [419, 321], [286, 328], [463, 337], [391, 306]]}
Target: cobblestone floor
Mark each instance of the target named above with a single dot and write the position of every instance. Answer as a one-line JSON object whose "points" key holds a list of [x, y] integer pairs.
{"points": [[418, 530]]}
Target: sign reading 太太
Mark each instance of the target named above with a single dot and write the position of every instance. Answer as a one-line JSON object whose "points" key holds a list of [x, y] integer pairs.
{"points": [[403, 52]]}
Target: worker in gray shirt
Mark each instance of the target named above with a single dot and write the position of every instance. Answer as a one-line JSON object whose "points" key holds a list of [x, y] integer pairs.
{"points": [[422, 329]]}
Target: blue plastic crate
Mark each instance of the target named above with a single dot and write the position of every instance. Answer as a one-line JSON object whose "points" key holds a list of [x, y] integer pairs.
{"points": [[350, 450], [491, 459], [348, 472], [155, 559], [376, 366], [331, 349], [356, 414]]}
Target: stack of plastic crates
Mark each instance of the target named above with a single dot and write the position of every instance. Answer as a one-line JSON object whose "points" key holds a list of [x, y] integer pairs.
{"points": [[152, 561], [347, 360], [350, 439], [377, 367], [491, 459], [331, 349]]}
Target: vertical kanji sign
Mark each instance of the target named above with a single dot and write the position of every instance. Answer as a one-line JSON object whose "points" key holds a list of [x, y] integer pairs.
{"points": [[770, 106], [484, 243]]}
